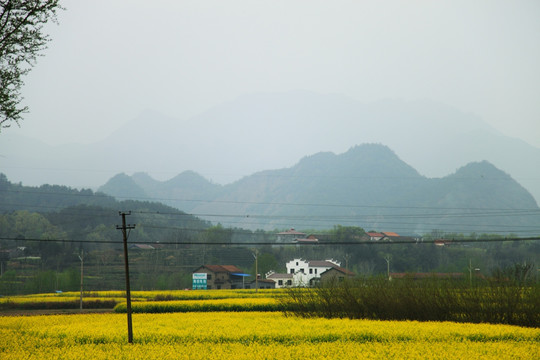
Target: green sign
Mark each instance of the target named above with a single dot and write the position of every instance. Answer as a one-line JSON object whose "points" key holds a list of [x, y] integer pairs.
{"points": [[199, 281]]}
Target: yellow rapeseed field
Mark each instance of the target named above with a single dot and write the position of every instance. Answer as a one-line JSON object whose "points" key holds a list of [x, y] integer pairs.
{"points": [[146, 295], [230, 304], [21, 300], [171, 301], [256, 335]]}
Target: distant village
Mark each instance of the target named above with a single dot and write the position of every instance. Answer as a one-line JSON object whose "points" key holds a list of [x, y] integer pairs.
{"points": [[299, 273]]}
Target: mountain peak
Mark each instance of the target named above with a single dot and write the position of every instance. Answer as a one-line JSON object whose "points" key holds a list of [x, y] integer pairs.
{"points": [[481, 169], [187, 178], [123, 186]]}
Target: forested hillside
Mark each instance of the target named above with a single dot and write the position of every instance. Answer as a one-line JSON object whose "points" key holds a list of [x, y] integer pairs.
{"points": [[48, 233]]}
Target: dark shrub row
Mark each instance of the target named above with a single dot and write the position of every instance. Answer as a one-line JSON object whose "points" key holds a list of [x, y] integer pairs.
{"points": [[422, 300]]}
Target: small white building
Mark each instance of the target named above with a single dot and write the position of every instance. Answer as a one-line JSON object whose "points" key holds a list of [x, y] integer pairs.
{"points": [[281, 280], [308, 273], [305, 273]]}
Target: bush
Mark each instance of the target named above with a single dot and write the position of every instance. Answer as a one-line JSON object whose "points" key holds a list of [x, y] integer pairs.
{"points": [[422, 300]]}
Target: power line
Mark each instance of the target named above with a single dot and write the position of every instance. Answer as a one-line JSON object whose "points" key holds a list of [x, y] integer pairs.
{"points": [[160, 199], [374, 218], [487, 212], [311, 220], [273, 243], [96, 209]]}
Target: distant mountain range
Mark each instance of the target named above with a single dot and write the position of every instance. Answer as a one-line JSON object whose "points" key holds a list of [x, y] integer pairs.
{"points": [[367, 186], [271, 131]]}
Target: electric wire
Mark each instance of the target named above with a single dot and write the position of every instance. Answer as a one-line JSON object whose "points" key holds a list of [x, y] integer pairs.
{"points": [[275, 243], [379, 217]]}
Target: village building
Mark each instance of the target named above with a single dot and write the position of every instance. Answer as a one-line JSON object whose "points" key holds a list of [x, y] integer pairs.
{"points": [[308, 273], [442, 242], [290, 236], [382, 236], [280, 280], [375, 236], [262, 284], [335, 274], [219, 277], [311, 239]]}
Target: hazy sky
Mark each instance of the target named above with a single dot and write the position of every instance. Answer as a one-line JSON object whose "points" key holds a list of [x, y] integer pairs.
{"points": [[109, 60]]}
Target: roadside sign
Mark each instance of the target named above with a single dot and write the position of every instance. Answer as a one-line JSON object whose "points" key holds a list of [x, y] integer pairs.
{"points": [[199, 281]]}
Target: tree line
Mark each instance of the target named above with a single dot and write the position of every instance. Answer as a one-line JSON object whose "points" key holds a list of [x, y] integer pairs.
{"points": [[44, 230]]}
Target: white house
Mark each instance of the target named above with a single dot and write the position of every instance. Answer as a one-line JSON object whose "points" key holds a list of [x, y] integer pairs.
{"points": [[281, 280], [305, 273]]}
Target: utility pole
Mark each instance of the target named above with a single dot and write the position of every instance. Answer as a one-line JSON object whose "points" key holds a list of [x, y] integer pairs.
{"points": [[81, 257], [256, 256], [387, 258], [347, 257], [471, 272], [124, 229]]}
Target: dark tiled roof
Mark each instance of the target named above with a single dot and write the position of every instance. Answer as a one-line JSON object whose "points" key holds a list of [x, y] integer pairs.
{"points": [[280, 276], [341, 270], [223, 268], [321, 263]]}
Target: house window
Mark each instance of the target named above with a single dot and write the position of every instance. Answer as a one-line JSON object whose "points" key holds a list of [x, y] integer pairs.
{"points": [[297, 263], [292, 271], [311, 271], [315, 271], [209, 287], [280, 282], [302, 271], [208, 276], [289, 282]]}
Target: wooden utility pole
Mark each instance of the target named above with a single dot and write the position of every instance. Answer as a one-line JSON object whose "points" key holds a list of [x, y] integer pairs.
{"points": [[124, 229]]}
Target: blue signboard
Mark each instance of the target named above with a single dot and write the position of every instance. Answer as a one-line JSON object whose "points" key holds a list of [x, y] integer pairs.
{"points": [[199, 281]]}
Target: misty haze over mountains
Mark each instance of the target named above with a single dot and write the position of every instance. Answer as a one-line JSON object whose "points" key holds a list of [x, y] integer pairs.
{"points": [[367, 186], [272, 131]]}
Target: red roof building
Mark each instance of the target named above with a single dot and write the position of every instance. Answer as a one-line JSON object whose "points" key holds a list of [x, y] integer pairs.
{"points": [[223, 276], [290, 236], [375, 236]]}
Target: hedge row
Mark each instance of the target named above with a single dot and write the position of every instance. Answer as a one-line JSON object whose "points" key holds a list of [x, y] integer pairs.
{"points": [[422, 300]]}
